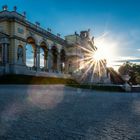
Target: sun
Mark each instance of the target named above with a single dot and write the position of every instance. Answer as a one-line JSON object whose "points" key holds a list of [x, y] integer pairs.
{"points": [[97, 57], [106, 49]]}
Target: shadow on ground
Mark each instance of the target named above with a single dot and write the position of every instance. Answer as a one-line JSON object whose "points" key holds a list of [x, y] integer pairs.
{"points": [[58, 112]]}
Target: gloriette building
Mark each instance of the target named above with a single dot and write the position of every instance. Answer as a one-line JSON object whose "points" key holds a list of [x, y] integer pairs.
{"points": [[26, 48]]}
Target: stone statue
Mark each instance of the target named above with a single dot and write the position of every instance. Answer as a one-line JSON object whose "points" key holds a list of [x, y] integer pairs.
{"points": [[20, 55]]}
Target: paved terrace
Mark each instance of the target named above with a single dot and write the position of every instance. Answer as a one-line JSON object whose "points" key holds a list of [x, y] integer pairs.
{"points": [[56, 112]]}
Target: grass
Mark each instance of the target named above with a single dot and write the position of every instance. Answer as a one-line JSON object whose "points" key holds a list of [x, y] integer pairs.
{"points": [[98, 87], [25, 79]]}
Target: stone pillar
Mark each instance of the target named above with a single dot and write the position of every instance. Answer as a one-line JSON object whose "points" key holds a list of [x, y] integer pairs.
{"points": [[38, 57], [5, 57], [66, 65], [2, 52], [46, 60], [49, 60], [5, 53], [24, 55], [58, 62], [35, 57]]}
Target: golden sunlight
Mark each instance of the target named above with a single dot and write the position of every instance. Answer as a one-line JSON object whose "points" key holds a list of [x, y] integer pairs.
{"points": [[98, 56], [106, 49]]}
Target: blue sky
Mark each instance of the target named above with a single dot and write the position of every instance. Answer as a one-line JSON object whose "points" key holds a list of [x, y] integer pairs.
{"points": [[120, 19]]}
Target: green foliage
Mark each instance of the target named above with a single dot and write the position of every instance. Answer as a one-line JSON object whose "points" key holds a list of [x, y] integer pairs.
{"points": [[99, 87], [126, 68], [138, 79], [115, 77], [24, 79], [131, 69]]}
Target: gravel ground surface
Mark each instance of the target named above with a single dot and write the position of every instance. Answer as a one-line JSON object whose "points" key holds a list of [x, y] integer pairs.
{"points": [[56, 112]]}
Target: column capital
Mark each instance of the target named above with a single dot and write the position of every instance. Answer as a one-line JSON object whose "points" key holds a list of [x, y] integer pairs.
{"points": [[4, 40]]}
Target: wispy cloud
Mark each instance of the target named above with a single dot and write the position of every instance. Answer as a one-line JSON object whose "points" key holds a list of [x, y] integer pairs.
{"points": [[127, 58], [138, 50], [118, 61]]}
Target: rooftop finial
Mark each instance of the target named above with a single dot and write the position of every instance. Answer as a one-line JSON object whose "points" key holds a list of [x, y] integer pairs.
{"points": [[5, 7], [58, 35], [37, 23], [49, 30], [24, 14], [15, 8], [75, 33]]}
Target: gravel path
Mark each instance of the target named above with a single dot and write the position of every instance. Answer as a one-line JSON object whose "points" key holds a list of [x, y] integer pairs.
{"points": [[56, 112]]}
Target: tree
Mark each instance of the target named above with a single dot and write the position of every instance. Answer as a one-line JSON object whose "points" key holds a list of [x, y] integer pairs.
{"points": [[133, 70], [125, 69]]}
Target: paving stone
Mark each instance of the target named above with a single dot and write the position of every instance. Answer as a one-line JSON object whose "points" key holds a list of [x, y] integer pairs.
{"points": [[56, 112]]}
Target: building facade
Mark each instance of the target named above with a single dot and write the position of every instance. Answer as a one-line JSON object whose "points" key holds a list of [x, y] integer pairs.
{"points": [[19, 37], [26, 48], [84, 66]]}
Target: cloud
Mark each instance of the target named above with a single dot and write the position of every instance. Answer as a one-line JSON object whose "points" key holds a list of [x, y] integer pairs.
{"points": [[127, 58], [138, 50], [118, 61]]}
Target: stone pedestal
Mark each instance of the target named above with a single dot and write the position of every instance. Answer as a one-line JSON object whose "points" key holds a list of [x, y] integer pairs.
{"points": [[127, 87]]}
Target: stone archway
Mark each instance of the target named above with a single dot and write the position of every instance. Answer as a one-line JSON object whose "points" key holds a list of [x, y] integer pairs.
{"points": [[54, 52], [43, 56], [31, 53]]}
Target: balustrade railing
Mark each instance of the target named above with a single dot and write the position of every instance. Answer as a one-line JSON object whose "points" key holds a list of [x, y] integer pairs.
{"points": [[16, 15]]}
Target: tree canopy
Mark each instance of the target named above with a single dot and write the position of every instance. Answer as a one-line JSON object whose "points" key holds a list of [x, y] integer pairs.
{"points": [[132, 70]]}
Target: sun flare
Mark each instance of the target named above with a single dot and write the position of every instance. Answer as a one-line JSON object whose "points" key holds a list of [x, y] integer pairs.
{"points": [[98, 57], [106, 49]]}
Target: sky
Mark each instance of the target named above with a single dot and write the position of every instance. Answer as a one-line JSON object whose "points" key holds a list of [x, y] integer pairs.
{"points": [[118, 21]]}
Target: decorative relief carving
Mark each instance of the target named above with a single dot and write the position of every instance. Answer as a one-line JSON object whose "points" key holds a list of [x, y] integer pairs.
{"points": [[20, 30], [31, 34]]}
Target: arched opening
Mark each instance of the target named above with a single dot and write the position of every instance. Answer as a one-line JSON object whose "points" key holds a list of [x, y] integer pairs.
{"points": [[43, 56], [30, 53], [42, 60], [54, 58], [62, 59], [20, 54]]}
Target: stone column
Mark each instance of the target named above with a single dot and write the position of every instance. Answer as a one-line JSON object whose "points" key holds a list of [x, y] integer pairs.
{"points": [[5, 57], [46, 60], [49, 60], [58, 62], [38, 57], [24, 54], [6, 47], [2, 53], [35, 57], [5, 53], [66, 65]]}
